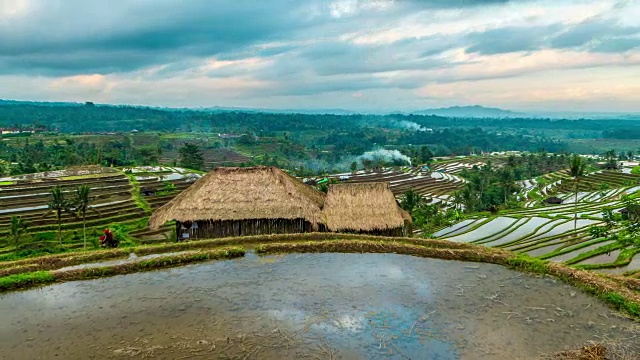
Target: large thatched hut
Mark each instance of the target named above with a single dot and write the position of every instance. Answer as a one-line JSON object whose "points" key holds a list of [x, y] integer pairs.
{"points": [[243, 201], [365, 208]]}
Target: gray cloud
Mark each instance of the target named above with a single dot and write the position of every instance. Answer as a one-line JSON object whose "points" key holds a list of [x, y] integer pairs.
{"points": [[594, 34], [590, 30], [617, 45], [509, 39], [336, 57], [304, 47], [105, 38]]}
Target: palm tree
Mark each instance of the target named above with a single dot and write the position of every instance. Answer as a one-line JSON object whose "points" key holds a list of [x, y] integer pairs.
{"points": [[81, 202], [18, 226], [457, 198], [58, 204], [411, 200], [577, 171], [506, 182]]}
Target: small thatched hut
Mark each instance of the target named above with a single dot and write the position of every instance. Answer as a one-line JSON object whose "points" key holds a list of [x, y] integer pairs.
{"points": [[631, 212], [243, 201], [366, 208], [553, 200]]}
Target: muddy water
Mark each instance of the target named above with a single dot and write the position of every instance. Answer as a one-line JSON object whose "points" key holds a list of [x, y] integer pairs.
{"points": [[350, 306]]}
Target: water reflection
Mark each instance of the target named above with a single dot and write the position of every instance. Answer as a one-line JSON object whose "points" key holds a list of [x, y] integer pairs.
{"points": [[353, 306]]}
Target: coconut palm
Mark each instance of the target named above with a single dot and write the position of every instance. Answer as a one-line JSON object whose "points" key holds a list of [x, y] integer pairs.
{"points": [[457, 198], [576, 171], [58, 204], [411, 199], [81, 203], [18, 226], [506, 182]]}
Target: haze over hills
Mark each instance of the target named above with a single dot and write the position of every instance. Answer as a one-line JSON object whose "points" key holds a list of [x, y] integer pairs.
{"points": [[475, 111], [472, 111]]}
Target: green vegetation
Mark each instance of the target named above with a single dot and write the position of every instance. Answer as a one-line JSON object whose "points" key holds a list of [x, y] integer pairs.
{"points": [[490, 187], [18, 227], [20, 281], [577, 169], [191, 157], [33, 279], [411, 200], [58, 204], [81, 203]]}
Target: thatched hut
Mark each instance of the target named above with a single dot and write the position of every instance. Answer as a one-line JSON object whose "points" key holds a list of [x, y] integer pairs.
{"points": [[553, 200], [365, 208], [243, 201], [631, 212]]}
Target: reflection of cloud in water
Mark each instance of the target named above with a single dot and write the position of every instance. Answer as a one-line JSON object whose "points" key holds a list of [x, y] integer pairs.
{"points": [[345, 322], [352, 322], [391, 271], [287, 314], [423, 290], [321, 322]]}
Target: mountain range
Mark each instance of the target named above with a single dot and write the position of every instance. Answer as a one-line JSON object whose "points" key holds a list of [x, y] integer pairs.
{"points": [[473, 111]]}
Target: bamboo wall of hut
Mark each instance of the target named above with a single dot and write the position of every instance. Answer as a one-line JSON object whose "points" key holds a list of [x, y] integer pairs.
{"points": [[210, 229]]}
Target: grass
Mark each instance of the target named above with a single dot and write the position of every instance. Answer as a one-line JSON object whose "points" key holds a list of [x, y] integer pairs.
{"points": [[625, 257], [88, 176], [19, 281], [54, 261], [523, 262], [595, 252], [135, 193], [39, 278], [73, 237]]}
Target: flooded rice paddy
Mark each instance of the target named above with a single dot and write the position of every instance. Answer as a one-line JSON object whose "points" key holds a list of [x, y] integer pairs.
{"points": [[326, 306]]}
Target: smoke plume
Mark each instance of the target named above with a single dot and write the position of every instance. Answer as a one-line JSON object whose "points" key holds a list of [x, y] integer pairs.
{"points": [[409, 125], [384, 156]]}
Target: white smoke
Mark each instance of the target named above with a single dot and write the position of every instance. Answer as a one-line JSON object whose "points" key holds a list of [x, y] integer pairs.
{"points": [[382, 155], [409, 125]]}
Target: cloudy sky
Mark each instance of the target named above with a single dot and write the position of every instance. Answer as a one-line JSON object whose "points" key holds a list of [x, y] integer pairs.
{"points": [[376, 55]]}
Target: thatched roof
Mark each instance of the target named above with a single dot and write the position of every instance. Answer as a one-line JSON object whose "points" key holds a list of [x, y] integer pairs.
{"points": [[553, 200], [231, 193], [362, 207]]}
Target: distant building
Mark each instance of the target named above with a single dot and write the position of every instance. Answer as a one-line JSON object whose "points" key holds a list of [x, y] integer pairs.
{"points": [[229, 136], [7, 131]]}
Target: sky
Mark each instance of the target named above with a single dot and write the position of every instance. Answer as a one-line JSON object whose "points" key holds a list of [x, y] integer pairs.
{"points": [[373, 55]]}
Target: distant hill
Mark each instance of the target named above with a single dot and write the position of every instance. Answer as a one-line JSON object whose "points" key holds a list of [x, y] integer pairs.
{"points": [[37, 103], [475, 111], [277, 111]]}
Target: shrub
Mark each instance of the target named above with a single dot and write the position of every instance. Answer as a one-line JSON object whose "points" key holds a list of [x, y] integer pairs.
{"points": [[45, 236]]}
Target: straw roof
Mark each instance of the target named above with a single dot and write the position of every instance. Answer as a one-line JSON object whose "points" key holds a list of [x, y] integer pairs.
{"points": [[553, 200], [362, 207], [232, 193]]}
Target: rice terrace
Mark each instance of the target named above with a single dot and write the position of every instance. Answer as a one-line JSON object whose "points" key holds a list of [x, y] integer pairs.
{"points": [[314, 180]]}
